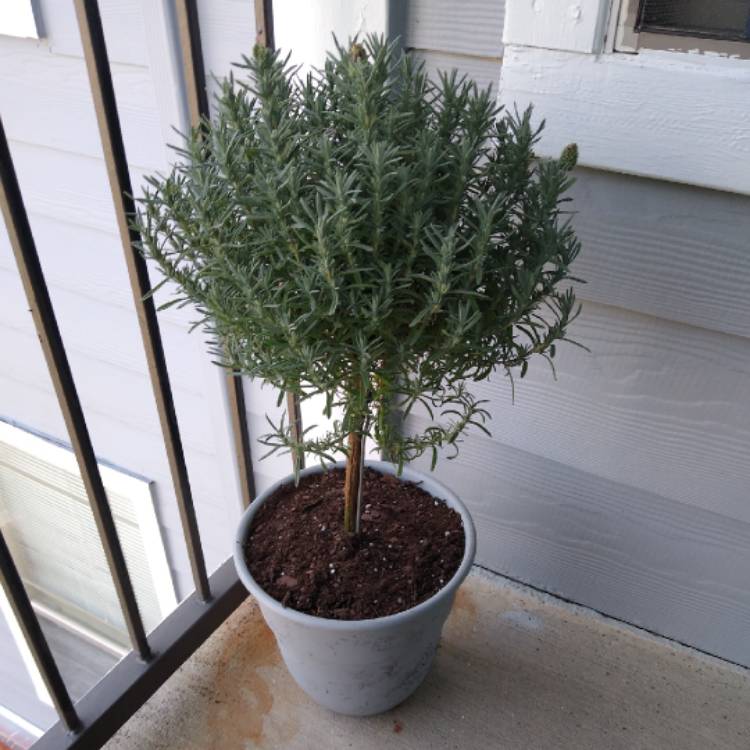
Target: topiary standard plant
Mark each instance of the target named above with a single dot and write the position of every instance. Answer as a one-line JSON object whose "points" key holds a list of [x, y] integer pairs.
{"points": [[369, 236], [380, 240]]}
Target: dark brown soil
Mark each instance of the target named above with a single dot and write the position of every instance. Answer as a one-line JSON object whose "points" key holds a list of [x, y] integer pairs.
{"points": [[408, 548]]}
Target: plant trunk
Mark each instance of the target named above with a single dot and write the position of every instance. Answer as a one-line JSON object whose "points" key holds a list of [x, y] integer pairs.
{"points": [[294, 414], [352, 483]]}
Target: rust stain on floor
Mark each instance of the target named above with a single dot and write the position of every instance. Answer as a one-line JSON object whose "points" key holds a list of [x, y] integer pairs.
{"points": [[465, 609], [248, 673]]}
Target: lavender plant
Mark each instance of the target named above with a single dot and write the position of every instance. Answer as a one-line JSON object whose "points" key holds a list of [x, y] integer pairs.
{"points": [[371, 236]]}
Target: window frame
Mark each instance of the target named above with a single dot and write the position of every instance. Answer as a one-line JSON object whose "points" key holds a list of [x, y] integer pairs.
{"points": [[665, 115], [21, 20], [628, 39], [24, 650]]}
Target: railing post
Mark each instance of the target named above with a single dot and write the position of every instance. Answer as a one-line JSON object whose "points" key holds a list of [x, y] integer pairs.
{"points": [[264, 23]]}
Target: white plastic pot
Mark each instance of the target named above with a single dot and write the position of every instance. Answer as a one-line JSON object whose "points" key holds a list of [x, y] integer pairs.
{"points": [[360, 667]]}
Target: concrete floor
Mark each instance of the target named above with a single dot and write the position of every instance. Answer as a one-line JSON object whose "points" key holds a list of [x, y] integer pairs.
{"points": [[516, 669]]}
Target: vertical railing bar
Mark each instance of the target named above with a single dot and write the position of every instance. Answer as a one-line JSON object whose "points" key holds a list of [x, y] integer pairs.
{"points": [[241, 435], [32, 631], [264, 23], [193, 68], [32, 277], [102, 90], [198, 107], [264, 35]]}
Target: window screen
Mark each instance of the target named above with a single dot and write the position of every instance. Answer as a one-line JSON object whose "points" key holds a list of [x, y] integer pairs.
{"points": [[711, 19]]}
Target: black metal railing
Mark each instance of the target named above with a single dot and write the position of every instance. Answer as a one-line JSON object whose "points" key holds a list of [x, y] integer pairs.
{"points": [[198, 108], [154, 657]]}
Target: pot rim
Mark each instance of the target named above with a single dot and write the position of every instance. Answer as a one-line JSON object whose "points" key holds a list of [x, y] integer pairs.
{"points": [[430, 485]]}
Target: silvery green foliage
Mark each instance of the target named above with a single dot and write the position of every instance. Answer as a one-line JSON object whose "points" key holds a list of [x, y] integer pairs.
{"points": [[368, 235]]}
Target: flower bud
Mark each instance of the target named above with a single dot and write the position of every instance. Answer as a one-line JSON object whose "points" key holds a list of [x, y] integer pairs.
{"points": [[569, 157]]}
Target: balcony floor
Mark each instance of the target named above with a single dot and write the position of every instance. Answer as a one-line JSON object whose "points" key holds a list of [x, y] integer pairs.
{"points": [[516, 669]]}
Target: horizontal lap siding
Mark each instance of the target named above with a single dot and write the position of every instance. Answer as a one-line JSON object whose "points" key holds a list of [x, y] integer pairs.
{"points": [[623, 485], [41, 89], [472, 27], [672, 568], [485, 72], [124, 28], [657, 405], [447, 35], [675, 252]]}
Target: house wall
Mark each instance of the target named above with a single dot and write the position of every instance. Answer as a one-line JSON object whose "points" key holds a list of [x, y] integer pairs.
{"points": [[624, 485], [449, 35]]}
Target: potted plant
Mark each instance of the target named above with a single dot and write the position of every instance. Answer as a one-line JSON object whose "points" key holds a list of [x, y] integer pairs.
{"points": [[373, 238]]}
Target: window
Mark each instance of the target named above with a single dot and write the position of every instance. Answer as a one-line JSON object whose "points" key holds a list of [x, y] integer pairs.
{"points": [[47, 521], [719, 26], [719, 19]]}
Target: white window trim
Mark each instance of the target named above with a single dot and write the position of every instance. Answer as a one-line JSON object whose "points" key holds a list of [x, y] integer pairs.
{"points": [[623, 38], [667, 115], [19, 19], [23, 649], [20, 722]]}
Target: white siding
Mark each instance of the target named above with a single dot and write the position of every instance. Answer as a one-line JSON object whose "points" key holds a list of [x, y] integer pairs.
{"points": [[446, 35], [306, 29], [623, 485]]}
